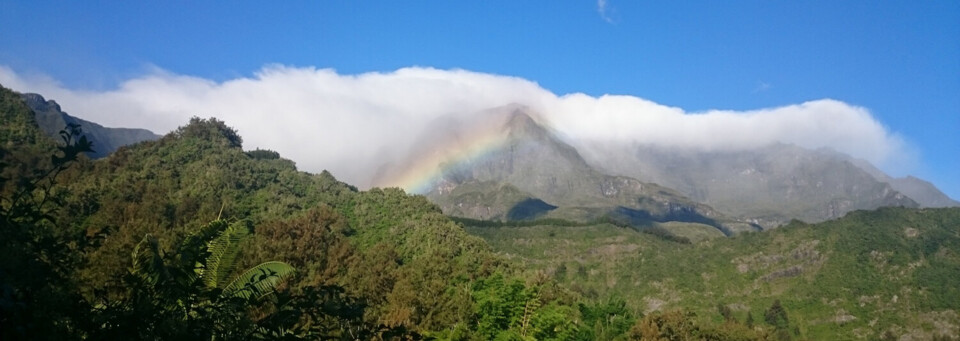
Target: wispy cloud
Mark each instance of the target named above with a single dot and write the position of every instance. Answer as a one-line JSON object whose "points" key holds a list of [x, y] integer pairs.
{"points": [[352, 124], [762, 86], [606, 11]]}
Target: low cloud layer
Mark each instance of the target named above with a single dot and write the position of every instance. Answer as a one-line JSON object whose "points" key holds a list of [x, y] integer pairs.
{"points": [[352, 124]]}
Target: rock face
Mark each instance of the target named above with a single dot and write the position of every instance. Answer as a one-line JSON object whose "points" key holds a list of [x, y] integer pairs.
{"points": [[923, 192], [769, 185], [530, 173], [105, 140]]}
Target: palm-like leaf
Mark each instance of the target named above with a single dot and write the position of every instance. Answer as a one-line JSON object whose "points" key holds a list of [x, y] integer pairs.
{"points": [[192, 252], [148, 261], [260, 280], [223, 252]]}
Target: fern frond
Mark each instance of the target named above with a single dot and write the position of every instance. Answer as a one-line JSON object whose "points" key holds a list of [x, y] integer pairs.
{"points": [[223, 252], [260, 280], [148, 261], [192, 252]]}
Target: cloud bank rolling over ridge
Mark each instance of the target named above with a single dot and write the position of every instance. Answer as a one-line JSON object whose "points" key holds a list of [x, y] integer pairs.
{"points": [[353, 124]]}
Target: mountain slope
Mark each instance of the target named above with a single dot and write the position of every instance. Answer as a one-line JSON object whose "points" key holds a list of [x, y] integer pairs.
{"points": [[924, 192], [891, 271], [105, 140], [377, 245], [532, 173], [769, 185]]}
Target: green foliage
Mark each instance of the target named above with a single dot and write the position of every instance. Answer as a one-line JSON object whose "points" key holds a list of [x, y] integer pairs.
{"points": [[680, 325], [554, 322], [169, 296], [893, 266], [675, 325], [171, 188], [260, 280], [19, 128], [263, 154], [518, 223], [666, 235], [606, 319], [37, 297], [174, 281], [500, 304], [777, 316], [223, 251], [210, 129]]}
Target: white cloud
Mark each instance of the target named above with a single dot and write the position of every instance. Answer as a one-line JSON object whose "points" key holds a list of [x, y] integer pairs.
{"points": [[352, 124]]}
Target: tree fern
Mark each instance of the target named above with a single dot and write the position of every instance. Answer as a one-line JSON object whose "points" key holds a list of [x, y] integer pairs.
{"points": [[223, 252], [260, 280], [148, 261], [193, 251]]}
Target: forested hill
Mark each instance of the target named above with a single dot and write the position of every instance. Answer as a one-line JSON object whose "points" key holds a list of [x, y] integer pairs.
{"points": [[380, 245], [410, 266]]}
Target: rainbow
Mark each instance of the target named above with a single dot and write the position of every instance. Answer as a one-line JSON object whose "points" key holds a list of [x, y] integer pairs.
{"points": [[421, 174]]}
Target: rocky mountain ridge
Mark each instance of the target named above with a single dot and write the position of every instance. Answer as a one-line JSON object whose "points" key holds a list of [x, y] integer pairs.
{"points": [[52, 119], [769, 185], [532, 174]]}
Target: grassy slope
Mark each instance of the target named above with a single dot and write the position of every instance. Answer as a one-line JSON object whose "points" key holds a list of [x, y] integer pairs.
{"points": [[892, 270]]}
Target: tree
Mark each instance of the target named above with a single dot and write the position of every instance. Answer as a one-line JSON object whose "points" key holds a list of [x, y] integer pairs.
{"points": [[725, 312], [674, 325], [776, 315]]}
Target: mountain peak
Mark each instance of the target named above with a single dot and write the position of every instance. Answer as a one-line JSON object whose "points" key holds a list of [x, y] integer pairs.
{"points": [[38, 103], [520, 124], [51, 119]]}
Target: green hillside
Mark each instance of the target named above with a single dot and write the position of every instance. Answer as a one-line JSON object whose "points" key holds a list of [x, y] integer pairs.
{"points": [[894, 270], [374, 263]]}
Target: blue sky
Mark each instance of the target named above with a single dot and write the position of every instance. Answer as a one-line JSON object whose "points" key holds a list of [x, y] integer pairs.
{"points": [[900, 59]]}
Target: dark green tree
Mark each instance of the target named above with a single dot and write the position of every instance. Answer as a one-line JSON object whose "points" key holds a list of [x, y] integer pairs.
{"points": [[776, 316], [37, 298]]}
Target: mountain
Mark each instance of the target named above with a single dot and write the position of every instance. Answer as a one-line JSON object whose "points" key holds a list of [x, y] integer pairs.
{"points": [[769, 185], [52, 119], [924, 192], [523, 171]]}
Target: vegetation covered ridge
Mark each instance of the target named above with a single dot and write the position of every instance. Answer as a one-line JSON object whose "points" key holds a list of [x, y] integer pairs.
{"points": [[876, 274]]}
